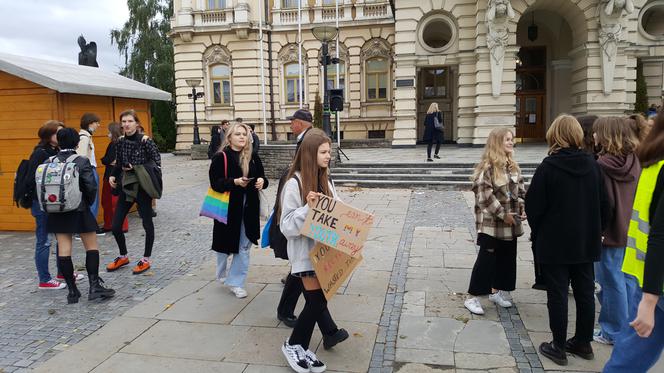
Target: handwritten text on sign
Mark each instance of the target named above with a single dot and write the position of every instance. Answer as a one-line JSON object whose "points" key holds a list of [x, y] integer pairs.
{"points": [[332, 267], [338, 225]]}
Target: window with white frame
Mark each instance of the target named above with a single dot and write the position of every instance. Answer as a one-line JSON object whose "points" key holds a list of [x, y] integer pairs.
{"points": [[377, 78], [216, 4], [292, 83], [291, 4], [220, 82], [332, 75]]}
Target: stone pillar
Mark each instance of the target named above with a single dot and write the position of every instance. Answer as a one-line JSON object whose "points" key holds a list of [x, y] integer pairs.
{"points": [[466, 98], [405, 102]]}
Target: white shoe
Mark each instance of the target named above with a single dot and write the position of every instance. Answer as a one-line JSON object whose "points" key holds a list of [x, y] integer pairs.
{"points": [[499, 299], [315, 365], [473, 305], [296, 357], [239, 292], [221, 280]]}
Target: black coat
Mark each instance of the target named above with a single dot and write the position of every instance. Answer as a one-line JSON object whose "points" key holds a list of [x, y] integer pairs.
{"points": [[430, 131], [567, 208], [39, 155], [226, 237], [109, 158]]}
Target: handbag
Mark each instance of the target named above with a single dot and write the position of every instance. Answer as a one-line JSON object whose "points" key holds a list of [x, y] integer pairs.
{"points": [[215, 204], [264, 204], [265, 237], [438, 125]]}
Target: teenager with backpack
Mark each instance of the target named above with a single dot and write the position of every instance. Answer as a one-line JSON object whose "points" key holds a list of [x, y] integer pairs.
{"points": [[66, 188], [137, 176]]}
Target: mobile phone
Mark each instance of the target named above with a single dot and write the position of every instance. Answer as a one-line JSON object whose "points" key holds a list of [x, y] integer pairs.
{"points": [[248, 178]]}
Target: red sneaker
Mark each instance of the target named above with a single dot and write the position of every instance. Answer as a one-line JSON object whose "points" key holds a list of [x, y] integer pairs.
{"points": [[118, 263], [52, 284]]}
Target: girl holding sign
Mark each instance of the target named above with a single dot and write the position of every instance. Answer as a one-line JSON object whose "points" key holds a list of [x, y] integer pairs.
{"points": [[499, 209], [308, 178]]}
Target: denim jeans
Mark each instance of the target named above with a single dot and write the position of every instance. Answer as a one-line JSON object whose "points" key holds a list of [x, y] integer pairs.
{"points": [[613, 296], [237, 274], [94, 207], [631, 353], [43, 243]]}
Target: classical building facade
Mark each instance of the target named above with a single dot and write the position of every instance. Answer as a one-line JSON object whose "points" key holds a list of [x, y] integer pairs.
{"points": [[487, 63]]}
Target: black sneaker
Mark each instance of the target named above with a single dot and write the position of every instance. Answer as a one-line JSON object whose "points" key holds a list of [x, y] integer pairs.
{"points": [[330, 341], [296, 357], [580, 349], [101, 232], [551, 351], [539, 286], [289, 321], [436, 156], [315, 365], [429, 160]]}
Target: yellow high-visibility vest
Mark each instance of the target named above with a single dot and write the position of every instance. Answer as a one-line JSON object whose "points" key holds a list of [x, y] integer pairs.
{"points": [[639, 225]]}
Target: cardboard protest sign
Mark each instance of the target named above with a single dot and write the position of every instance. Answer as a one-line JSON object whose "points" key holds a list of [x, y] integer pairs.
{"points": [[332, 267], [338, 225]]}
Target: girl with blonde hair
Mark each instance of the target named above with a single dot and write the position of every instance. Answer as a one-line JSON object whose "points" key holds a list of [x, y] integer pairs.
{"points": [[431, 131], [566, 206], [234, 169], [499, 208]]}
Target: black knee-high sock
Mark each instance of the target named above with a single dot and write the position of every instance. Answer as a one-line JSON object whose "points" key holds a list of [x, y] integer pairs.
{"points": [[67, 267], [92, 262], [304, 328]]}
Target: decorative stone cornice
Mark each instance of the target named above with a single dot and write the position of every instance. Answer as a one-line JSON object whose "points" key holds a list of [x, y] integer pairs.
{"points": [[376, 47], [288, 54]]}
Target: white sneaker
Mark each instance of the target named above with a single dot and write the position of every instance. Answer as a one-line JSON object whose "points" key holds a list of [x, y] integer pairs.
{"points": [[239, 292], [221, 280], [473, 305], [499, 299], [315, 365], [599, 338], [296, 357]]}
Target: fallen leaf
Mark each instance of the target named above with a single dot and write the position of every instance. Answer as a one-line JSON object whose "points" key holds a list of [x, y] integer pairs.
{"points": [[357, 334], [168, 306], [51, 311]]}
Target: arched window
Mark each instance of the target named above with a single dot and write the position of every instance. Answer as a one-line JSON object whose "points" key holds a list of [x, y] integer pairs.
{"points": [[292, 83], [220, 81], [377, 77]]}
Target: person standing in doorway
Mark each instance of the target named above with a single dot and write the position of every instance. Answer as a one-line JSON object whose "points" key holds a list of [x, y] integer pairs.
{"points": [[433, 130], [566, 205], [499, 196], [86, 147]]}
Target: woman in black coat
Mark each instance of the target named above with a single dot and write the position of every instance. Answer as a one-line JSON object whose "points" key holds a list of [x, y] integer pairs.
{"points": [[432, 134], [235, 169], [80, 221], [566, 206]]}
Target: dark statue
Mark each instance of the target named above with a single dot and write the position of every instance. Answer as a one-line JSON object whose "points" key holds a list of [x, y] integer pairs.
{"points": [[88, 54]]}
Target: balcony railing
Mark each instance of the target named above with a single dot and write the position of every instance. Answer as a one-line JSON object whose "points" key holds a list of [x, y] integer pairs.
{"points": [[217, 17]]}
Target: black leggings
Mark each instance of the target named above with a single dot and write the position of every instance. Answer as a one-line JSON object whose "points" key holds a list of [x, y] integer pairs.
{"points": [[431, 145], [144, 202], [314, 311]]}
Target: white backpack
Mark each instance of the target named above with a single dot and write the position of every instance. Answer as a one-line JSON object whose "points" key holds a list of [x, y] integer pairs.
{"points": [[57, 185]]}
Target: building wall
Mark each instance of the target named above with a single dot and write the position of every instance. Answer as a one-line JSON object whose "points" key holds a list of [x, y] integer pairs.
{"points": [[570, 29]]}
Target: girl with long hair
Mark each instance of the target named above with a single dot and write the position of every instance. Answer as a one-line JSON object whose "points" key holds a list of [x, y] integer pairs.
{"points": [[616, 142], [567, 208], [109, 201], [307, 179], [235, 169], [499, 208], [431, 133]]}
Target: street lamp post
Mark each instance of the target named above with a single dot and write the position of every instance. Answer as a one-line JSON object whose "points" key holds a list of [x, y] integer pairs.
{"points": [[193, 83], [325, 34]]}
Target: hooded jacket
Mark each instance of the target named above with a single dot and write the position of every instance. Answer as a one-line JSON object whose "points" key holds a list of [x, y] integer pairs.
{"points": [[567, 208], [621, 175]]}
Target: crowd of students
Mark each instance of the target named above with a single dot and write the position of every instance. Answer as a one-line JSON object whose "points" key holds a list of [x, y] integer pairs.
{"points": [[595, 206]]}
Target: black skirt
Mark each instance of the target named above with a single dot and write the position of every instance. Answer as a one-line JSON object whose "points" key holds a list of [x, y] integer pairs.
{"points": [[495, 266], [71, 222]]}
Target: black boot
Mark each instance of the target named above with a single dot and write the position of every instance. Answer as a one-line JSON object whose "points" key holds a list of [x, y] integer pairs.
{"points": [[98, 290], [553, 352], [74, 294], [580, 349]]}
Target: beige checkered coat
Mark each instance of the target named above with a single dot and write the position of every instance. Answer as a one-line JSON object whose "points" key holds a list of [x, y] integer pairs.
{"points": [[494, 199]]}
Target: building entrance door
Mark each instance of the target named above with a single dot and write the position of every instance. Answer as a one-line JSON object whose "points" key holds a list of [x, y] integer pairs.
{"points": [[531, 93], [435, 85]]}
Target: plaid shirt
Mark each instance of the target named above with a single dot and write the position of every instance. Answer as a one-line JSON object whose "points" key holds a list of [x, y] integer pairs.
{"points": [[134, 153], [494, 199]]}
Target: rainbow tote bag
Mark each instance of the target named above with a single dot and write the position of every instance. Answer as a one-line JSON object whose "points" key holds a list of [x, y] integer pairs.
{"points": [[215, 204]]}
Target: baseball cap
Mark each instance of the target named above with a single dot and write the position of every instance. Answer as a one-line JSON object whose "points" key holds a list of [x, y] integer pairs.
{"points": [[302, 114]]}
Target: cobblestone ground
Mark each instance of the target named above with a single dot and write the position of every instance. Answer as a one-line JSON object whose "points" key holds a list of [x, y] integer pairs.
{"points": [[37, 324]]}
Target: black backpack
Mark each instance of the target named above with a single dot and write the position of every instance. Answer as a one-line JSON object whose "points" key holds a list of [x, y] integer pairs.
{"points": [[279, 242], [24, 185]]}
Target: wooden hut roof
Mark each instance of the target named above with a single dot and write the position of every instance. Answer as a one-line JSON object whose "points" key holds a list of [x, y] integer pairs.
{"points": [[70, 78]]}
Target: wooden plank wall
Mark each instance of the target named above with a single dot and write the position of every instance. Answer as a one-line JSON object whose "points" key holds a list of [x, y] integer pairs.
{"points": [[24, 107]]}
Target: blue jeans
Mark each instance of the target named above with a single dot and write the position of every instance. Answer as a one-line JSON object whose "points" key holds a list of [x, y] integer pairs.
{"points": [[237, 274], [94, 207], [631, 353], [613, 296], [42, 244]]}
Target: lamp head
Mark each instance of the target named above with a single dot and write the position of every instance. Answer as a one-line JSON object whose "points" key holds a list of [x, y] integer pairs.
{"points": [[324, 33], [193, 82]]}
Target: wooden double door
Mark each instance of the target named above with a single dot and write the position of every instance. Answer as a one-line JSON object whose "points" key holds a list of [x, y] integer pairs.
{"points": [[530, 116]]}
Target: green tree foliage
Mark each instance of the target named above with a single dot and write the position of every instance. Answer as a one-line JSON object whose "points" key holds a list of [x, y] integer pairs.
{"points": [[641, 104], [148, 52]]}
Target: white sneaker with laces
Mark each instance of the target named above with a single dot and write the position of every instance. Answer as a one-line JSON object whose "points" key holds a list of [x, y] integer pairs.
{"points": [[315, 365], [499, 299], [600, 338], [239, 292], [296, 357], [473, 305]]}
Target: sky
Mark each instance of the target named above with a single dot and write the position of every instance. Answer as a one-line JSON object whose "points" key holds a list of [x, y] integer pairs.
{"points": [[49, 29]]}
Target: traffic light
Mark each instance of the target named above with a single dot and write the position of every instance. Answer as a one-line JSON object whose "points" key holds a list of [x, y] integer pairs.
{"points": [[336, 100]]}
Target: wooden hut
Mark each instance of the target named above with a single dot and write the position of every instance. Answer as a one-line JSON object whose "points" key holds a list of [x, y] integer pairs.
{"points": [[33, 91]]}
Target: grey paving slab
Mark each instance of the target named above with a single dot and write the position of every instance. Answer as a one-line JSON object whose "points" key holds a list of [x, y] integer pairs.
{"points": [[482, 337], [261, 311], [483, 361], [428, 333], [261, 346], [357, 308], [165, 298], [439, 358], [130, 363], [354, 354], [368, 282], [188, 340], [420, 368]]}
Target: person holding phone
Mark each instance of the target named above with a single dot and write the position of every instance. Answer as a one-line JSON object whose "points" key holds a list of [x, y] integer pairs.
{"points": [[235, 169], [499, 209], [134, 149]]}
